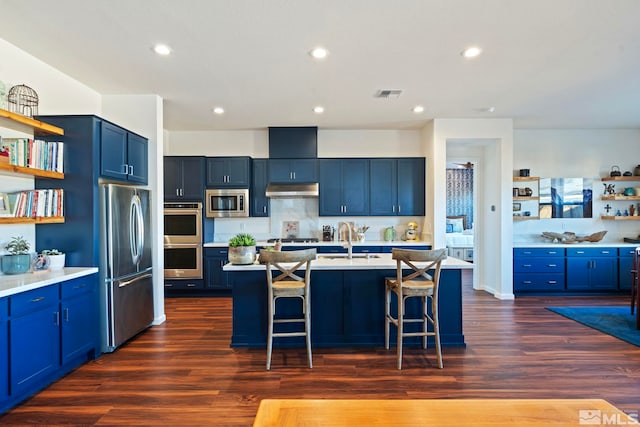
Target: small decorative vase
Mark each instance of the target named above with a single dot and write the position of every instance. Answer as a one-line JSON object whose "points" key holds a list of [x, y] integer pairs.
{"points": [[16, 264], [56, 262], [242, 255]]}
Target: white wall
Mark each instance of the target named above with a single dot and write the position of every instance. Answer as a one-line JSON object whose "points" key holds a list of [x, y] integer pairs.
{"points": [[586, 153], [57, 94]]}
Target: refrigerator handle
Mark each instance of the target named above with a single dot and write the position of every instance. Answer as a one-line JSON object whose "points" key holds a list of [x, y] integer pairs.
{"points": [[136, 231], [128, 282]]}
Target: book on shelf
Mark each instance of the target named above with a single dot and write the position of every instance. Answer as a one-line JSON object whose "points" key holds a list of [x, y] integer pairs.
{"points": [[37, 203], [34, 153]]}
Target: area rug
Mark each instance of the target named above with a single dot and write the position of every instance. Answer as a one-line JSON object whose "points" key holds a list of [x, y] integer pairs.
{"points": [[615, 321]]}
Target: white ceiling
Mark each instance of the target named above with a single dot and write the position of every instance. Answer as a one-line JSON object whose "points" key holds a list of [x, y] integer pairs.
{"points": [[546, 63]]}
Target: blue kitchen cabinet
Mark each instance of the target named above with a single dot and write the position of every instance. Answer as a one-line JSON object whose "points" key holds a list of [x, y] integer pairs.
{"points": [[397, 186], [4, 346], [592, 269], [259, 203], [625, 263], [344, 187], [214, 276], [228, 172], [284, 171], [123, 154], [44, 334], [184, 178], [79, 318], [538, 270], [34, 328]]}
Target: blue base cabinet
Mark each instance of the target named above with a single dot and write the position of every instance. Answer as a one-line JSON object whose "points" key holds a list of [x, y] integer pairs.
{"points": [[46, 333], [538, 270], [214, 276], [625, 264], [592, 269], [347, 309]]}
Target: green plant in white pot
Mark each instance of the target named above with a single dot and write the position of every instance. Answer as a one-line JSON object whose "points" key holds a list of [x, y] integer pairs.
{"points": [[242, 249], [18, 260], [56, 258]]}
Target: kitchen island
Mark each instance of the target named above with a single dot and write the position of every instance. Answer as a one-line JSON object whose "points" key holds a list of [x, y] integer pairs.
{"points": [[347, 302]]}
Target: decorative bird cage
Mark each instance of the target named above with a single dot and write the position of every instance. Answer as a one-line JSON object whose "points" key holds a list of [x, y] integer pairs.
{"points": [[23, 100]]}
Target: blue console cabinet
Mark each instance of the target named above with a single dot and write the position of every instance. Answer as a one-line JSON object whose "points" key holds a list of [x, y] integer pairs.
{"points": [[46, 332], [538, 270]]}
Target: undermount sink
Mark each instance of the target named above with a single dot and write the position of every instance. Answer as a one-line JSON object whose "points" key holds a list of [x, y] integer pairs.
{"points": [[345, 256]]}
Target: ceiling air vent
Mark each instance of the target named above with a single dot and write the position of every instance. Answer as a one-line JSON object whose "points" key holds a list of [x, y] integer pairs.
{"points": [[388, 93]]}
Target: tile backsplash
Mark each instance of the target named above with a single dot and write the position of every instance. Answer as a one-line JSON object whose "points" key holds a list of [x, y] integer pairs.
{"points": [[305, 212]]}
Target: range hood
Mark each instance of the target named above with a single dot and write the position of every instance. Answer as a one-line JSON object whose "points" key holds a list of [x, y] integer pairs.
{"points": [[292, 190]]}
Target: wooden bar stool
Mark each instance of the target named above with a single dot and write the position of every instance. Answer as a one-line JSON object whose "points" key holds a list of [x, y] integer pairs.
{"points": [[287, 284], [415, 283]]}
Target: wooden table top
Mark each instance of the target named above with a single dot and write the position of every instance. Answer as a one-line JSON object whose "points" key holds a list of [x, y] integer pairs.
{"points": [[438, 412]]}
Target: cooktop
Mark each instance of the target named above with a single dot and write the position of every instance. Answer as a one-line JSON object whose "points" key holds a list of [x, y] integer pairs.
{"points": [[295, 240]]}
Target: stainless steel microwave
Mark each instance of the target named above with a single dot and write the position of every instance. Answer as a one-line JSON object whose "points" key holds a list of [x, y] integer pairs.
{"points": [[225, 203]]}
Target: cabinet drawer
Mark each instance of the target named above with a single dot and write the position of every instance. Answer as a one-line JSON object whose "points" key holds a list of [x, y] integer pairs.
{"points": [[184, 284], [589, 252], [538, 282], [36, 299], [217, 252], [4, 307], [626, 252], [538, 265], [78, 286], [527, 252]]}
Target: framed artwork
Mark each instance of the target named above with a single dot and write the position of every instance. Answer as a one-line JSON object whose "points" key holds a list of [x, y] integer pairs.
{"points": [[517, 207], [5, 207]]}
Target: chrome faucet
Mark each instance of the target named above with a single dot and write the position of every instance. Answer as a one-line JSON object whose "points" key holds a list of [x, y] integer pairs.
{"points": [[349, 244]]}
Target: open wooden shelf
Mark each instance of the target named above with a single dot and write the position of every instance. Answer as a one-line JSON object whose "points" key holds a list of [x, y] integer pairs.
{"points": [[526, 198], [620, 218], [523, 218], [526, 178], [41, 173], [621, 178], [36, 220], [620, 197], [20, 122]]}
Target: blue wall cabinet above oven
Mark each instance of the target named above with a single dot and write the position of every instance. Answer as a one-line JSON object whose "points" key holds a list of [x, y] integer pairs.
{"points": [[344, 187], [228, 172], [123, 154], [592, 269], [293, 170], [184, 178], [397, 186], [259, 203]]}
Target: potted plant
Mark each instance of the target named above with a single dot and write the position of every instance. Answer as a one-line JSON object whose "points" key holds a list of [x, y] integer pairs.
{"points": [[18, 260], [56, 258], [242, 249]]}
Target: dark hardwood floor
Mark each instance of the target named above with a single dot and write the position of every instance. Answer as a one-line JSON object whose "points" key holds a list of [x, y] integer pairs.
{"points": [[184, 373]]}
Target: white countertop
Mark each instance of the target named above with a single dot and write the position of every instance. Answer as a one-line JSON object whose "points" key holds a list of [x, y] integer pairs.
{"points": [[334, 262], [11, 284], [574, 245], [333, 243]]}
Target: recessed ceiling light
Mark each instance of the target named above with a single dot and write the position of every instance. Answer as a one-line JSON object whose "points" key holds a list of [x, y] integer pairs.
{"points": [[319, 53], [318, 109], [486, 109], [218, 110], [418, 109], [471, 52], [162, 49]]}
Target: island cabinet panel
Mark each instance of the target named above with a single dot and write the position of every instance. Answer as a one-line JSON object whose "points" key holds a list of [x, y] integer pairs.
{"points": [[593, 269], [625, 264], [347, 309]]}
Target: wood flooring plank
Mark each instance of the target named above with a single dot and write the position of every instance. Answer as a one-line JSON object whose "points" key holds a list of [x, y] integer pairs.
{"points": [[183, 372]]}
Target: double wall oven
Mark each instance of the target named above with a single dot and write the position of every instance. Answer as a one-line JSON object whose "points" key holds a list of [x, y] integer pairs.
{"points": [[183, 240]]}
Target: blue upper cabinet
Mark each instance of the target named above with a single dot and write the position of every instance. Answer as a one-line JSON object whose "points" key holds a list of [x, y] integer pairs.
{"points": [[344, 187], [184, 178], [123, 154], [260, 178], [282, 171], [228, 172], [397, 186]]}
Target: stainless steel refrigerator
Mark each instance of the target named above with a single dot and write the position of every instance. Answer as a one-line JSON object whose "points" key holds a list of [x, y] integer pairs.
{"points": [[126, 263]]}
